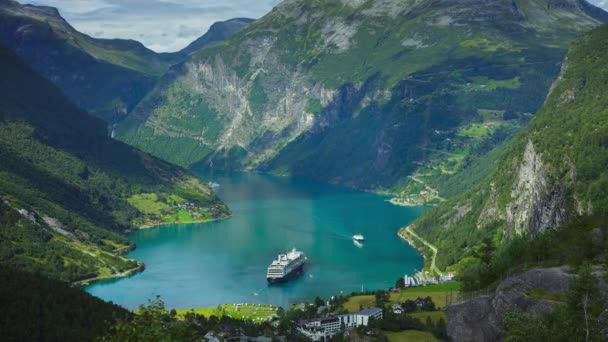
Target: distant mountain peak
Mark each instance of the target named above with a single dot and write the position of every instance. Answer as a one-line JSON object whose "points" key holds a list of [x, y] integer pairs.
{"points": [[218, 32]]}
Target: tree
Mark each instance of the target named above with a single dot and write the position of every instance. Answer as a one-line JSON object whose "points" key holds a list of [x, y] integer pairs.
{"points": [[409, 306], [382, 298], [487, 250], [428, 304], [582, 297], [319, 302], [441, 329], [400, 283]]}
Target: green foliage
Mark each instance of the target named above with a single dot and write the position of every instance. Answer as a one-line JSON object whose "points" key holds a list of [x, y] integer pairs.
{"points": [[154, 323], [569, 133], [37, 308], [574, 244], [58, 164], [314, 106], [257, 96], [575, 320], [396, 79]]}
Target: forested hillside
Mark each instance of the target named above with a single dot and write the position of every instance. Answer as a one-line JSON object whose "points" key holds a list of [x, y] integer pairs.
{"points": [[67, 189], [554, 172], [38, 308]]}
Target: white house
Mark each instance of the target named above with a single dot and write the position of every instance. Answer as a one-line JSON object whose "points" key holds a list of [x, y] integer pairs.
{"points": [[397, 309]]}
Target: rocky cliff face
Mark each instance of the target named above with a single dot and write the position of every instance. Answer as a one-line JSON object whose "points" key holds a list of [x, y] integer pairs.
{"points": [[481, 319], [351, 92], [536, 205], [549, 174]]}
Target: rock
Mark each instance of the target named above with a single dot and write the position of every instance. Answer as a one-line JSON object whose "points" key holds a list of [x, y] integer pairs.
{"points": [[603, 319], [480, 319], [472, 321], [536, 205]]}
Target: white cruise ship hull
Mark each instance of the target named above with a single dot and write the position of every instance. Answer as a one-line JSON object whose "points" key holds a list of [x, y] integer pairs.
{"points": [[295, 272]]}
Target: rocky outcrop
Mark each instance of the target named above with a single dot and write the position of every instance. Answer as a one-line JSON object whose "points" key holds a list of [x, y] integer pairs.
{"points": [[480, 319], [536, 204]]}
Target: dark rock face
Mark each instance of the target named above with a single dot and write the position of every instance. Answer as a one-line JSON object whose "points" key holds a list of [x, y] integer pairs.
{"points": [[481, 319], [473, 320]]}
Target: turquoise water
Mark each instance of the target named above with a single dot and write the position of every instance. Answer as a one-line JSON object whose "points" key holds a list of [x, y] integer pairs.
{"points": [[208, 264]]}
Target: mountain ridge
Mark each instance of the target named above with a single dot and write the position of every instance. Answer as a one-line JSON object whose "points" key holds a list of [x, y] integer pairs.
{"points": [[302, 90], [106, 77]]}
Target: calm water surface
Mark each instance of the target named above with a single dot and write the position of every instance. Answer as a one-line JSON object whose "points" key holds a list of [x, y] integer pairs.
{"points": [[225, 262]]}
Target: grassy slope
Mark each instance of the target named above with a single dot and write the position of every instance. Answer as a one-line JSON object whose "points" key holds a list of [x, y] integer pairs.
{"points": [[59, 162], [570, 129], [254, 312], [440, 294], [410, 335]]}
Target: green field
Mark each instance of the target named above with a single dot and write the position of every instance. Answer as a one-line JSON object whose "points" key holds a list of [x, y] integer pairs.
{"points": [[254, 312], [409, 336], [164, 208], [439, 293], [435, 315]]}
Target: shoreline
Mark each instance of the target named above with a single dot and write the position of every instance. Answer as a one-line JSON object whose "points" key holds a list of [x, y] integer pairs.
{"points": [[141, 266], [86, 282], [156, 225], [403, 234]]}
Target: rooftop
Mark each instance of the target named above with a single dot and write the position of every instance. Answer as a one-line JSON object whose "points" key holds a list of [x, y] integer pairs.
{"points": [[370, 311]]}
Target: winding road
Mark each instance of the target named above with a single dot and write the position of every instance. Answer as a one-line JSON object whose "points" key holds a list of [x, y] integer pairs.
{"points": [[409, 231]]}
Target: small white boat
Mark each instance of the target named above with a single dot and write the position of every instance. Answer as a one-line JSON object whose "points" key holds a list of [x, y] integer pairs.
{"points": [[359, 237]]}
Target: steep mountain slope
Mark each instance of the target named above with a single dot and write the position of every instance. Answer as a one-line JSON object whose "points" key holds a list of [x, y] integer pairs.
{"points": [[362, 93], [106, 77], [67, 189], [218, 32], [36, 308], [555, 171]]}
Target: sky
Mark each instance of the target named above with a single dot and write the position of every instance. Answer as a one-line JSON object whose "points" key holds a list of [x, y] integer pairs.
{"points": [[161, 25]]}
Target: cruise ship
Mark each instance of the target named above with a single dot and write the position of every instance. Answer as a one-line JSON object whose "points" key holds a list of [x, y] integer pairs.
{"points": [[286, 266]]}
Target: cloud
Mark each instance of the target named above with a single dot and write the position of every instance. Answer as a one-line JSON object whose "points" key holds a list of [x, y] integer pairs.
{"points": [[161, 25], [600, 3]]}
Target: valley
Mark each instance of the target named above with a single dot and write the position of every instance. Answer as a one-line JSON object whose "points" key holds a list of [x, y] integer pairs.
{"points": [[441, 163]]}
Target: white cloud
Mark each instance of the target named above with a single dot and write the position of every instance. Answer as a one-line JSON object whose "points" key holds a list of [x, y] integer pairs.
{"points": [[600, 3], [161, 25]]}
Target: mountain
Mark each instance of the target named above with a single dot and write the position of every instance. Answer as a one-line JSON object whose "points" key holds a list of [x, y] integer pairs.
{"points": [[361, 93], [68, 191], [218, 32], [552, 174], [106, 77]]}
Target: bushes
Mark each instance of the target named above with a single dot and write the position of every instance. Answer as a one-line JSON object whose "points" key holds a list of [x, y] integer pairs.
{"points": [[583, 240], [575, 320]]}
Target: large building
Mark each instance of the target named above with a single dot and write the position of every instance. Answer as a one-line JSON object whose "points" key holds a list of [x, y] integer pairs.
{"points": [[360, 318], [322, 328]]}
